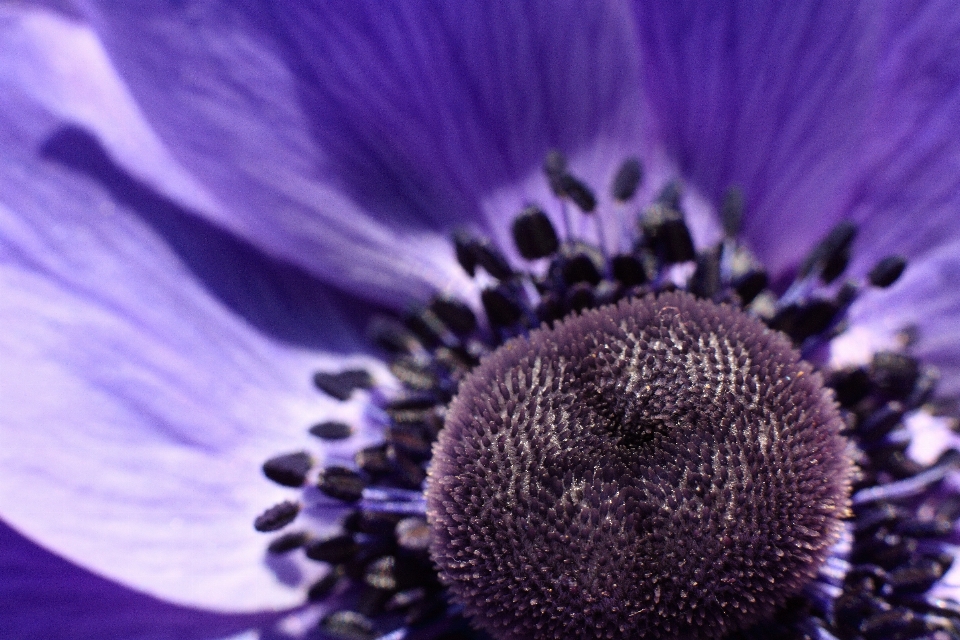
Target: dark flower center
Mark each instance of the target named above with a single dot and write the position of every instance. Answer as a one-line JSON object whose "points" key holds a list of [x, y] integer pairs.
{"points": [[617, 458], [663, 468]]}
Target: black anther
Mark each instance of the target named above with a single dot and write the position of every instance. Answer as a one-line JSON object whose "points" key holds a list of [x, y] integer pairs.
{"points": [[288, 542], [333, 550], [579, 267], [580, 193], [705, 282], [533, 234], [627, 180], [887, 271], [341, 483], [829, 258], [391, 336], [555, 166], [628, 270], [894, 373], [458, 317], [277, 517], [749, 285], [341, 385], [290, 469], [323, 587], [331, 430], [501, 306]]}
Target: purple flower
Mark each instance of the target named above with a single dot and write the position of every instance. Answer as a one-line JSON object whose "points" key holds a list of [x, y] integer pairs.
{"points": [[204, 203]]}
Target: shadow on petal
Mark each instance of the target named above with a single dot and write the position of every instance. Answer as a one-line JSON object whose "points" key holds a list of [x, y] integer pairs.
{"points": [[287, 299]]}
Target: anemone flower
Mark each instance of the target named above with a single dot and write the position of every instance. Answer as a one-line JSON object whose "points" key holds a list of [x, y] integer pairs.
{"points": [[250, 250]]}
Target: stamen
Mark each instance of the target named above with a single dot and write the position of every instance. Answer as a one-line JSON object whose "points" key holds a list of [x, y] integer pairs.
{"points": [[393, 500], [341, 385], [288, 542], [666, 231], [578, 192], [502, 306], [579, 266], [348, 625], [323, 587], [342, 483], [374, 461], [731, 213], [393, 337], [627, 180], [705, 282], [533, 234], [289, 470], [750, 285], [428, 328], [413, 534], [629, 270], [478, 252], [881, 422], [331, 430], [830, 257], [669, 196], [908, 488], [335, 550], [277, 516], [555, 167], [895, 374], [887, 271], [455, 314]]}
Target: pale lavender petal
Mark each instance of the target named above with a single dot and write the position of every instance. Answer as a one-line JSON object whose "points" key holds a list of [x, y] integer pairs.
{"points": [[930, 436], [45, 596], [151, 364], [345, 136]]}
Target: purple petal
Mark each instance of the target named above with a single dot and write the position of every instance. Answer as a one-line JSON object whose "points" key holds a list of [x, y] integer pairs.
{"points": [[47, 597], [908, 193], [151, 364], [351, 137], [771, 97], [819, 112]]}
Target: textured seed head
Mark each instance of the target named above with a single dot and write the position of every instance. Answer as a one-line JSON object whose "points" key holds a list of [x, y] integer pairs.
{"points": [[665, 468]]}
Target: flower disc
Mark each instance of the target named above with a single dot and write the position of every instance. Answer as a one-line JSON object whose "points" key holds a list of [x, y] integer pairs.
{"points": [[663, 468]]}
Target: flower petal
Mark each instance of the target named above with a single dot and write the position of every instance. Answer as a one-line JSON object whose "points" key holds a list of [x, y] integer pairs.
{"points": [[65, 67], [45, 596], [819, 112], [151, 363], [771, 97], [416, 112], [908, 192]]}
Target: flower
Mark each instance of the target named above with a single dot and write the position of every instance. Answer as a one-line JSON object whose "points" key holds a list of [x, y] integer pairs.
{"points": [[272, 174]]}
